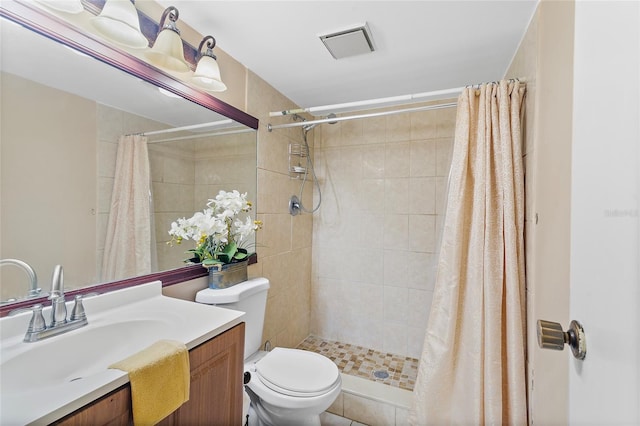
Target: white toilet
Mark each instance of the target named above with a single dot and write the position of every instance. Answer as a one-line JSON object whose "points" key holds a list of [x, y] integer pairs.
{"points": [[287, 386]]}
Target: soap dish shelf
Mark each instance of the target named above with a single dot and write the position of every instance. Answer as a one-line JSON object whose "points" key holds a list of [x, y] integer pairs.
{"points": [[297, 152]]}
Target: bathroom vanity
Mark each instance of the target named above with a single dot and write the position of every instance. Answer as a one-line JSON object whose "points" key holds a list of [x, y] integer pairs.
{"points": [[215, 396], [66, 379]]}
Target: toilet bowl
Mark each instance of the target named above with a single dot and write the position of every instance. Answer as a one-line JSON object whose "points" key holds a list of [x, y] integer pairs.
{"points": [[291, 386], [286, 386]]}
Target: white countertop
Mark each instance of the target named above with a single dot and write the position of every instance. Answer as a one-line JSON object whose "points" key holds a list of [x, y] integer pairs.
{"points": [[43, 381]]}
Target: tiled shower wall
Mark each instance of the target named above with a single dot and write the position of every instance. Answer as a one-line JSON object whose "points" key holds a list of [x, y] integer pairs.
{"points": [[376, 235]]}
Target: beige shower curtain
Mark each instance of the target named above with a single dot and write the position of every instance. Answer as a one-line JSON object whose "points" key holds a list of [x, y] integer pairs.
{"points": [[472, 369], [127, 250]]}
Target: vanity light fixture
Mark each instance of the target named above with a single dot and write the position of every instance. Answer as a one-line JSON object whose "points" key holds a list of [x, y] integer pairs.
{"points": [[167, 51], [118, 21], [207, 74]]}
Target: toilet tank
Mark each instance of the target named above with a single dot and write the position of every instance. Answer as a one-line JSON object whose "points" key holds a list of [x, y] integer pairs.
{"points": [[249, 297]]}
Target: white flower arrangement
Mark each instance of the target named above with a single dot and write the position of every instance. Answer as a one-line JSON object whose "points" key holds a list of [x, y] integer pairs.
{"points": [[221, 231]]}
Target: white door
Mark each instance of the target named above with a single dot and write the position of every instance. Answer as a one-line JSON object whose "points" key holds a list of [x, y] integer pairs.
{"points": [[604, 389]]}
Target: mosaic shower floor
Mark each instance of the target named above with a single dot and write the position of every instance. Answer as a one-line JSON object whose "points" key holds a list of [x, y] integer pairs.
{"points": [[366, 363]]}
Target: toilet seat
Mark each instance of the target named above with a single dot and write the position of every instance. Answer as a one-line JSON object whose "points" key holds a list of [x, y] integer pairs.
{"points": [[297, 373]]}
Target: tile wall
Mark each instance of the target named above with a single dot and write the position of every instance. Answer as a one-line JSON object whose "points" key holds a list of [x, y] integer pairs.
{"points": [[376, 234], [284, 243]]}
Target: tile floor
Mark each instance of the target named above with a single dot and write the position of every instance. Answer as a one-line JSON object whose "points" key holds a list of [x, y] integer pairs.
{"points": [[363, 362]]}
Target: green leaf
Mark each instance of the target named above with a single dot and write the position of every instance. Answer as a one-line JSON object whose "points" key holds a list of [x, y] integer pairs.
{"points": [[230, 249]]}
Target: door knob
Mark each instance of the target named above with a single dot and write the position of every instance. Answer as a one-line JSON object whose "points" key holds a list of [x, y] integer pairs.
{"points": [[551, 336]]}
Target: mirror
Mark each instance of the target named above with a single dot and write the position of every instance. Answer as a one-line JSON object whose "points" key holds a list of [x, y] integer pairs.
{"points": [[62, 114]]}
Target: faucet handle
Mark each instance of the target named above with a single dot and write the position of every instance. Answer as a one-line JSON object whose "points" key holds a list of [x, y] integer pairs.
{"points": [[58, 311], [37, 322], [77, 313]]}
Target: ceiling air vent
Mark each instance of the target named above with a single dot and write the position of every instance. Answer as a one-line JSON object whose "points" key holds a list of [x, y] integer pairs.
{"points": [[350, 42]]}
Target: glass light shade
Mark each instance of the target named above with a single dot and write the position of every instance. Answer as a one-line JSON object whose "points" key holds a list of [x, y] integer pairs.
{"points": [[167, 52], [66, 6], [207, 75], [119, 22]]}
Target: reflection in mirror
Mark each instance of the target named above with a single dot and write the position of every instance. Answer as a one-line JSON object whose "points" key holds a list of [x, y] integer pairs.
{"points": [[62, 115]]}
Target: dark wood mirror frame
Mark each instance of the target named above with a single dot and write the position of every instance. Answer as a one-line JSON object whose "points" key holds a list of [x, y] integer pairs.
{"points": [[47, 25]]}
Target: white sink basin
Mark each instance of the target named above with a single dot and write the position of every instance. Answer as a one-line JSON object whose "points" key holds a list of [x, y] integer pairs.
{"points": [[62, 365], [43, 381]]}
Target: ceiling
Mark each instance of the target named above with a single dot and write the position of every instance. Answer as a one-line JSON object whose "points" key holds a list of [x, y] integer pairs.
{"points": [[420, 46]]}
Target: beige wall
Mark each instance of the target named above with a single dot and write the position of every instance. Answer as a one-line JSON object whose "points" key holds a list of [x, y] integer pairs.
{"points": [[376, 234], [37, 224], [284, 243], [544, 60]]}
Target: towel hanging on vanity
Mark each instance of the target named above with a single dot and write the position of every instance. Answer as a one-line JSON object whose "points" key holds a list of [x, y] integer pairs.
{"points": [[160, 379]]}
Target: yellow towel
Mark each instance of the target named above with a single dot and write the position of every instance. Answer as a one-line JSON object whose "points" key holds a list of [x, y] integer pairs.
{"points": [[159, 377]]}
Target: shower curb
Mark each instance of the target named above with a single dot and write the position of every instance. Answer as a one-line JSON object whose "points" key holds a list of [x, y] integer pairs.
{"points": [[376, 391]]}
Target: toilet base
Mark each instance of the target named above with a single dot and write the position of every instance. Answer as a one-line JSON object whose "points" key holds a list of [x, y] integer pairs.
{"points": [[261, 415]]}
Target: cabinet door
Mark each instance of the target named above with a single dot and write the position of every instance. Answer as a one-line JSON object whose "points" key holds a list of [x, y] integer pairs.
{"points": [[215, 397], [216, 382], [113, 409]]}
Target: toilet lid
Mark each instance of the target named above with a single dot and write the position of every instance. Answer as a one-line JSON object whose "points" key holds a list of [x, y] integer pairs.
{"points": [[297, 373]]}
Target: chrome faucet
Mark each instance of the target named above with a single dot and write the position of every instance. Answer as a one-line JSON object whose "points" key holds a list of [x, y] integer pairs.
{"points": [[57, 282], [34, 291], [38, 328], [59, 323]]}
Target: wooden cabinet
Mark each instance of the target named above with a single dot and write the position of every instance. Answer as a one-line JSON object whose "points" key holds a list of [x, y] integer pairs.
{"points": [[112, 409], [215, 397]]}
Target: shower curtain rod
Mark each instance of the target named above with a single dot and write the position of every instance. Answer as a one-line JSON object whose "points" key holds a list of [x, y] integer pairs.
{"points": [[204, 135], [354, 117], [191, 127], [371, 103]]}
